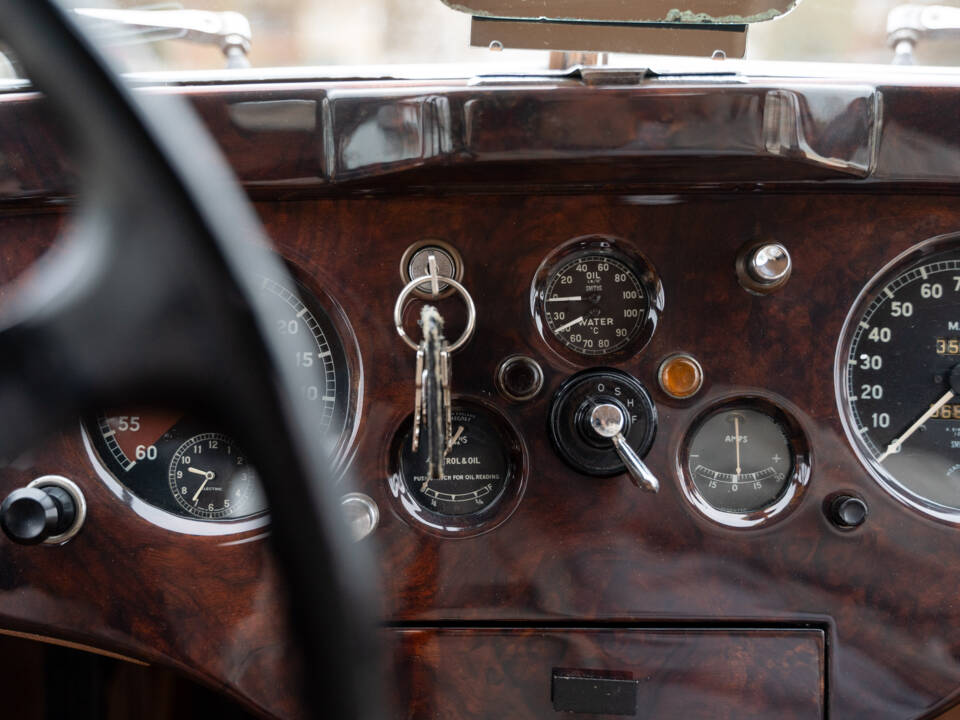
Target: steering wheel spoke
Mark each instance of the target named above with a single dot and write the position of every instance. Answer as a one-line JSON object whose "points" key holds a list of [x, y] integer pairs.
{"points": [[154, 298]]}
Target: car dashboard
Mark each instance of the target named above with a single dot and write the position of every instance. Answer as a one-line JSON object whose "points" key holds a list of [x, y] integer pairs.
{"points": [[702, 376]]}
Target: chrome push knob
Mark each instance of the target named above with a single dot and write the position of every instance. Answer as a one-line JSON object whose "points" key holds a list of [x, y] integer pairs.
{"points": [[607, 421], [769, 264], [361, 513]]}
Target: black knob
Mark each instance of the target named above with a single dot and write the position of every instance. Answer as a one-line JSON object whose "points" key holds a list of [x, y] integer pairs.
{"points": [[848, 511], [30, 515], [572, 413]]}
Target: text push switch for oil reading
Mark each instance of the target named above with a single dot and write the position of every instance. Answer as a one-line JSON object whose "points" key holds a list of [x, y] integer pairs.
{"points": [[602, 423]]}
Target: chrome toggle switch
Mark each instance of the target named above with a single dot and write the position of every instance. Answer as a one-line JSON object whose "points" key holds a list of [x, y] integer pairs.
{"points": [[607, 421]]}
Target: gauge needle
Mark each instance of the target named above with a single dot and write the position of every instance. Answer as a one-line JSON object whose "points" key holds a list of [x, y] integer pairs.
{"points": [[208, 475], [569, 325], [571, 298], [895, 445], [736, 430], [453, 440]]}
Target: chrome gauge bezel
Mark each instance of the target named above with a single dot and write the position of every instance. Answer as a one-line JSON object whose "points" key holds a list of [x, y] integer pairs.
{"points": [[343, 451], [894, 268], [620, 250], [796, 485], [422, 518], [163, 518]]}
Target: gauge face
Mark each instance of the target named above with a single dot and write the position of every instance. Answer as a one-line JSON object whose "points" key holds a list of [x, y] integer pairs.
{"points": [[209, 478], [898, 377], [476, 472], [595, 304], [151, 452], [740, 459]]}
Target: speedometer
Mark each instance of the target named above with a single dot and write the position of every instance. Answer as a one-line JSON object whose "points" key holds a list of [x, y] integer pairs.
{"points": [[898, 377]]}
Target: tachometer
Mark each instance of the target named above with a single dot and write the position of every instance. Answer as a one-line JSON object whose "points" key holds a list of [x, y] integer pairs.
{"points": [[180, 464], [898, 377]]}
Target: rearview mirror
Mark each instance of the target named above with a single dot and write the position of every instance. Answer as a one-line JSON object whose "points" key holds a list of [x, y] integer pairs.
{"points": [[705, 27], [697, 12]]}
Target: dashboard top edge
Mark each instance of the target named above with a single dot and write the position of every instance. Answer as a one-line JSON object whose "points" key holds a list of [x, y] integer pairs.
{"points": [[294, 138]]}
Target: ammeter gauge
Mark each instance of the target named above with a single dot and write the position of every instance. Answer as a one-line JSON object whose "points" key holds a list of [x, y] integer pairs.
{"points": [[744, 461]]}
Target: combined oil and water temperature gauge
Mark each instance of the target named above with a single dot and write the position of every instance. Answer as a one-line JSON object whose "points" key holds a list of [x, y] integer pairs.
{"points": [[744, 457], [597, 297], [595, 304]]}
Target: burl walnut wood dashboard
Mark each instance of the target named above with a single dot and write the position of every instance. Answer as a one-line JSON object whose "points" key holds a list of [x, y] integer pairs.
{"points": [[689, 603]]}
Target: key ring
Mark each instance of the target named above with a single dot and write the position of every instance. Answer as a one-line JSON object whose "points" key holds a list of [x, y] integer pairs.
{"points": [[408, 291]]}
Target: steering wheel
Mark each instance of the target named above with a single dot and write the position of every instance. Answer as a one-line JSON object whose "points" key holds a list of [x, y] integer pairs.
{"points": [[153, 297]]}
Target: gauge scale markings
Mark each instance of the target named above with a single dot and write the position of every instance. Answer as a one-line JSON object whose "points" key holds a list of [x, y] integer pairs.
{"points": [[595, 304], [733, 478], [740, 459], [898, 397], [477, 469], [144, 448]]}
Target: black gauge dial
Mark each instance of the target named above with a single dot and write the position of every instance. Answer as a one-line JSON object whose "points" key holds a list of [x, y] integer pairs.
{"points": [[899, 377], [477, 469], [146, 449], [210, 478], [740, 459], [595, 304]]}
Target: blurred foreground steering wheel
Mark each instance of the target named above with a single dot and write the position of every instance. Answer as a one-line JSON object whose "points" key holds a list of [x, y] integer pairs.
{"points": [[153, 297]]}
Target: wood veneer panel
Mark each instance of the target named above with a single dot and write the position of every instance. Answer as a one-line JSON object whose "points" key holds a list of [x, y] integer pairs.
{"points": [[690, 674]]}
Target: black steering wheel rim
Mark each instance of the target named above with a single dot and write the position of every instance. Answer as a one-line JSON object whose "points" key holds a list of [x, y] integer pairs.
{"points": [[153, 298]]}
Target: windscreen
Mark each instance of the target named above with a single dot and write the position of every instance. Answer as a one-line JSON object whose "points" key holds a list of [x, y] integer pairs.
{"points": [[387, 32]]}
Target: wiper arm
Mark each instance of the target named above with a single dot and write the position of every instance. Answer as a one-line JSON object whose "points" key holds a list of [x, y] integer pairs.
{"points": [[230, 31], [909, 24]]}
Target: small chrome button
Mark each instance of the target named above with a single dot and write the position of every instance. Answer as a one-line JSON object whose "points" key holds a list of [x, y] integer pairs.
{"points": [[770, 264], [763, 268], [361, 513]]}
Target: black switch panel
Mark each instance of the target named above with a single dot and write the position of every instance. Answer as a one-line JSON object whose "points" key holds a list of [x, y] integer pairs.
{"points": [[598, 692]]}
